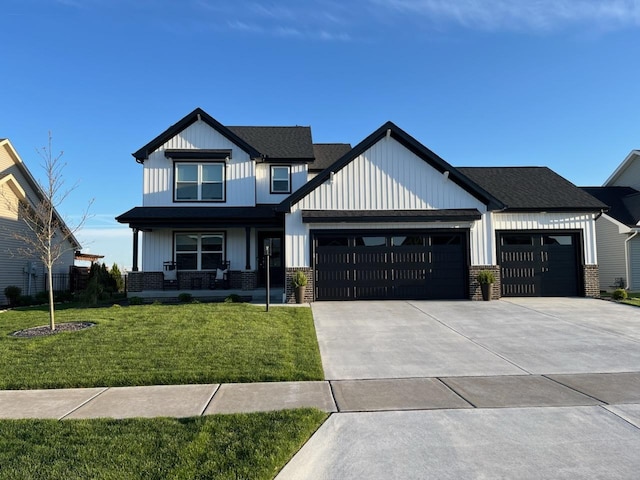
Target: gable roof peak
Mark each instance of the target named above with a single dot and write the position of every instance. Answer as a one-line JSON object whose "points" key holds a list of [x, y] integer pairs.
{"points": [[195, 116], [386, 131]]}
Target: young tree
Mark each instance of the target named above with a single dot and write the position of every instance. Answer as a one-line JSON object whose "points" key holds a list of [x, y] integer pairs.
{"points": [[47, 237]]}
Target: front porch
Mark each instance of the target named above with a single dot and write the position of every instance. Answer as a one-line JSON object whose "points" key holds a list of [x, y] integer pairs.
{"points": [[257, 295]]}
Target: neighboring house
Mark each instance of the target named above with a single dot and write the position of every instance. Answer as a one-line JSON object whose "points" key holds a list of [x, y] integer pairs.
{"points": [[386, 219], [18, 185], [618, 229]]}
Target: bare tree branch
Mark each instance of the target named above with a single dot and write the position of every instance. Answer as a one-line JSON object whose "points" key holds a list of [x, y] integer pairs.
{"points": [[47, 236]]}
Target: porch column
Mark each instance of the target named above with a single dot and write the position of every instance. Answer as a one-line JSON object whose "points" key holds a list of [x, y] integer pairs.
{"points": [[135, 250], [247, 241]]}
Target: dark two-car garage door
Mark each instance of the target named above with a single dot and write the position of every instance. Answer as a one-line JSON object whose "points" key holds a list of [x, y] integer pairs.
{"points": [[374, 265], [539, 264]]}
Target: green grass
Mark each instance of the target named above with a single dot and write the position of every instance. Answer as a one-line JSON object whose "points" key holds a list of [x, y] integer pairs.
{"points": [[160, 344], [243, 446]]}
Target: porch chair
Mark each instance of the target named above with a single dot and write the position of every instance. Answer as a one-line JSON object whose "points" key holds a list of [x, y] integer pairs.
{"points": [[170, 274], [220, 279]]}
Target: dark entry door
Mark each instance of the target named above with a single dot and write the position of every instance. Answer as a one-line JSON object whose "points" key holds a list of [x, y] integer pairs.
{"points": [[276, 260], [374, 265], [539, 264]]}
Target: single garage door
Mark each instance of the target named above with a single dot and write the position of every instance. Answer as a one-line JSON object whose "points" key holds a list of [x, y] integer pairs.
{"points": [[411, 265], [539, 264]]}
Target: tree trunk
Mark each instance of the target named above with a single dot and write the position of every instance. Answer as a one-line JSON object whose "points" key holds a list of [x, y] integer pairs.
{"points": [[52, 319]]}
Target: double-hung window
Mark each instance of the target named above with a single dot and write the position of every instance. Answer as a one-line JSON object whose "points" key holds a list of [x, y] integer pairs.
{"points": [[281, 179], [199, 182], [199, 251]]}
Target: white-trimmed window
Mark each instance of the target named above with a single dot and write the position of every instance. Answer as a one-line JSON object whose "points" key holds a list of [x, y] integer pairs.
{"points": [[199, 251], [199, 182], [280, 179]]}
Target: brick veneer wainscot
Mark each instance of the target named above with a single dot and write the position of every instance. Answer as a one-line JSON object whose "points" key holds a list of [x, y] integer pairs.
{"points": [[475, 291], [290, 296], [591, 281]]}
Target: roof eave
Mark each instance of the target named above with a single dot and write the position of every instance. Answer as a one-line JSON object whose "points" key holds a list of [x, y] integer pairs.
{"points": [[198, 114], [391, 130], [621, 168]]}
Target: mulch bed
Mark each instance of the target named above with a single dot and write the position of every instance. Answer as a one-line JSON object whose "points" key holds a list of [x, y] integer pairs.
{"points": [[44, 330]]}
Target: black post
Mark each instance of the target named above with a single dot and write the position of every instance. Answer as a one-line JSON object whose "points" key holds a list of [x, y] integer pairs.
{"points": [[135, 250], [267, 254]]}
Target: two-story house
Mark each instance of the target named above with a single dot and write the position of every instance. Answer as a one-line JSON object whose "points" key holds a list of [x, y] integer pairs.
{"points": [[385, 219], [17, 186]]}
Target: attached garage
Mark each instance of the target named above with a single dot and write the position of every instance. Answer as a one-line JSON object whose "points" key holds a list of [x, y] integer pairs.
{"points": [[392, 220], [392, 265], [539, 264]]}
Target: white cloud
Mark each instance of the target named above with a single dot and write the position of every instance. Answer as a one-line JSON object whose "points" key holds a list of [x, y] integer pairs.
{"points": [[313, 19], [519, 15]]}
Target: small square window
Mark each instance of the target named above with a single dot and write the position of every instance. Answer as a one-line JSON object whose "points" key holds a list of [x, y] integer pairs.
{"points": [[281, 179]]}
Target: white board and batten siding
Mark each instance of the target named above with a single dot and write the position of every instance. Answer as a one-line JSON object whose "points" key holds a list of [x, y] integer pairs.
{"points": [[240, 169], [263, 182], [385, 177]]}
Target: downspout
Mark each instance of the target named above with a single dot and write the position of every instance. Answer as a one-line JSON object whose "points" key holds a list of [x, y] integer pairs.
{"points": [[626, 257]]}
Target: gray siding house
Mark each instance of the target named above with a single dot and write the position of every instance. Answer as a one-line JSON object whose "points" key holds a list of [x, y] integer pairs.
{"points": [[18, 185], [618, 229]]}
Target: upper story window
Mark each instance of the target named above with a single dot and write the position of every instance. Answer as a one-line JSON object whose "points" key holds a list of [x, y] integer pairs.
{"points": [[281, 179], [199, 182]]}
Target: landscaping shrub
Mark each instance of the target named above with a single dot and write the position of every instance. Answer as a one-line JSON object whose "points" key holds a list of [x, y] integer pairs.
{"points": [[25, 300], [135, 301], [185, 298], [13, 295], [42, 298], [486, 277], [233, 298], [619, 294]]}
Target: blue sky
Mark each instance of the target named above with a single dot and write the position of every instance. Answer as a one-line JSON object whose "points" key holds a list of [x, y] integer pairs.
{"points": [[480, 82]]}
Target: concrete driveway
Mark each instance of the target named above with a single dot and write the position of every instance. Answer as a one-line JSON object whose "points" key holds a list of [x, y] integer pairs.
{"points": [[365, 340], [549, 389]]}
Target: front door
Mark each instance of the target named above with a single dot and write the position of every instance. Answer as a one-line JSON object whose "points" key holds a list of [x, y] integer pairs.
{"points": [[276, 260]]}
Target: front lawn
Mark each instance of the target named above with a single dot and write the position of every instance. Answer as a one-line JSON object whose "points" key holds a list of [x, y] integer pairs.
{"points": [[160, 344], [243, 446]]}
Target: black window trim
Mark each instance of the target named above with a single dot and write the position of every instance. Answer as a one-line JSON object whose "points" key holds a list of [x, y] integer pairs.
{"points": [[200, 162], [223, 233]]}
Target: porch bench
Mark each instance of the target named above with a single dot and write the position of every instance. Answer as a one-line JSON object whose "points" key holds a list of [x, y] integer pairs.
{"points": [[220, 278], [170, 276]]}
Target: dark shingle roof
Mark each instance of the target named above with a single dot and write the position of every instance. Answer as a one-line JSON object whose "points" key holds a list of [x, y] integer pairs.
{"points": [[278, 143], [326, 154], [532, 188], [623, 202]]}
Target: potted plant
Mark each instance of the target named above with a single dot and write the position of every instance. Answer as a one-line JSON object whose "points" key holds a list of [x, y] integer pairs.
{"points": [[486, 279], [299, 283]]}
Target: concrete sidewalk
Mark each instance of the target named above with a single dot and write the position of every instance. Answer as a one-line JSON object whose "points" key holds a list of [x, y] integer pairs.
{"points": [[329, 396]]}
